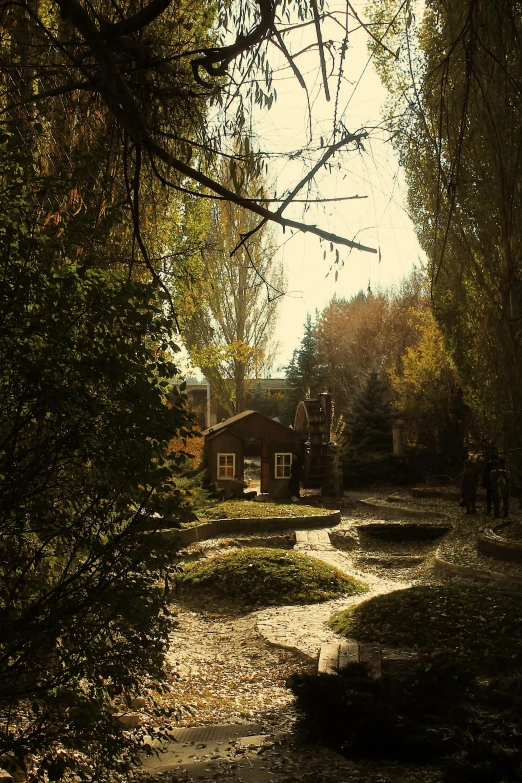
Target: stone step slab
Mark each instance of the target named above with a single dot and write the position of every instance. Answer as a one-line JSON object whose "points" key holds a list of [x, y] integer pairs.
{"points": [[337, 655]]}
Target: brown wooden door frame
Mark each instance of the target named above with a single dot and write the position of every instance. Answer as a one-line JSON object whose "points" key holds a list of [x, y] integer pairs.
{"points": [[265, 467]]}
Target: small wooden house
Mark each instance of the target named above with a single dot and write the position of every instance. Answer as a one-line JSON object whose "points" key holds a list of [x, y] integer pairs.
{"points": [[225, 446]]}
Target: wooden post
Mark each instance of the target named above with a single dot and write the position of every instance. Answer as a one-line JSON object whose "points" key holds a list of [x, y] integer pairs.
{"points": [[398, 437]]}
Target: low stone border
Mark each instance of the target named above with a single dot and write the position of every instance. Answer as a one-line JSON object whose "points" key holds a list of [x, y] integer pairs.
{"points": [[401, 511], [446, 494], [453, 569], [217, 527], [490, 543]]}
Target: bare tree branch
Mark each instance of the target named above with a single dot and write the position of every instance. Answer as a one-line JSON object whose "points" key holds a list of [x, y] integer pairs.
{"points": [[121, 102], [317, 21], [293, 66]]}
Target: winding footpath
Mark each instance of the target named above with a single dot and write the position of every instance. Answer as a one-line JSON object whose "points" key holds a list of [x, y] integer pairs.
{"points": [[303, 629], [229, 711]]}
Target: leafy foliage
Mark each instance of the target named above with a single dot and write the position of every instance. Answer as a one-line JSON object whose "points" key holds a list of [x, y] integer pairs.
{"points": [[435, 711], [457, 126], [229, 315], [305, 375], [364, 469], [262, 576], [366, 333], [84, 434], [427, 391], [458, 704]]}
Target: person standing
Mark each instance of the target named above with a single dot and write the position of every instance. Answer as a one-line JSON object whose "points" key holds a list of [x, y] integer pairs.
{"points": [[500, 488], [468, 487], [296, 471], [486, 481]]}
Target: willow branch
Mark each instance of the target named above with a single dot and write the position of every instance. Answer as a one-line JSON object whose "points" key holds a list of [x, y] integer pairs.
{"points": [[121, 102], [216, 61]]}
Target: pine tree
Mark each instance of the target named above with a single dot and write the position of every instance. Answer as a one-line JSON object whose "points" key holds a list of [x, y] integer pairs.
{"points": [[369, 420], [305, 372]]}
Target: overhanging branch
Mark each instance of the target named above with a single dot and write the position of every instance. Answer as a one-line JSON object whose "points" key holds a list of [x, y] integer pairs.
{"points": [[122, 103]]}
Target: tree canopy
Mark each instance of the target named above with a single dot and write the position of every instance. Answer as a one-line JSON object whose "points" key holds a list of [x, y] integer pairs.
{"points": [[454, 112], [144, 76], [230, 309]]}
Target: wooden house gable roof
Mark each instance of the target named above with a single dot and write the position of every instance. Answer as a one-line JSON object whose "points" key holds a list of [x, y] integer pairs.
{"points": [[253, 424]]}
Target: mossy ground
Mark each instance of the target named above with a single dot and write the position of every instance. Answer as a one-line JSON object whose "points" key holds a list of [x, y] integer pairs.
{"points": [[461, 619], [231, 509], [262, 577]]}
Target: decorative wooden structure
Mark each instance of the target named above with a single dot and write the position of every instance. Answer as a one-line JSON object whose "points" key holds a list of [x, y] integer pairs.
{"points": [[312, 422], [225, 443]]}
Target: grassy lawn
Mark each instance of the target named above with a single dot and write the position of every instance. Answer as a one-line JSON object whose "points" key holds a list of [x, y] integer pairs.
{"points": [[263, 576], [231, 509], [460, 619]]}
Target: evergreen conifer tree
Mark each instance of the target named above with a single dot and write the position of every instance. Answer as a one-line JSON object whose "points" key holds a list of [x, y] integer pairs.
{"points": [[304, 373], [369, 420]]}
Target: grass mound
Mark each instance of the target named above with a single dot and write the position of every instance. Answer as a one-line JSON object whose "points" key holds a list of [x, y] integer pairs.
{"points": [[231, 509], [262, 576], [461, 619]]}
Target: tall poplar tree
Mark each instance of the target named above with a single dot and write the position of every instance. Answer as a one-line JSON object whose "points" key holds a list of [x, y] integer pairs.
{"points": [[455, 114], [231, 315]]}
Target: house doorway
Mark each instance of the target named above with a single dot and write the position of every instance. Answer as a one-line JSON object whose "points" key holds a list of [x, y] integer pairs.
{"points": [[253, 465]]}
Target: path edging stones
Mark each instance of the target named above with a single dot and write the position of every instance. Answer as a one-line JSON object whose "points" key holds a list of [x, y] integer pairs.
{"points": [[218, 527], [490, 543], [400, 511], [410, 531], [476, 574]]}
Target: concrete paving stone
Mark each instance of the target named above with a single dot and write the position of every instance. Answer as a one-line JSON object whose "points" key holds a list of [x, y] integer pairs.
{"points": [[220, 732], [303, 628]]}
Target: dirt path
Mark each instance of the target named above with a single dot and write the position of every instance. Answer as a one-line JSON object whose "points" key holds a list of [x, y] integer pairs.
{"points": [[223, 671]]}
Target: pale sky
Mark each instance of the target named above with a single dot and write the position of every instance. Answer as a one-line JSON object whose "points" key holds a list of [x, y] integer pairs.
{"points": [[378, 221]]}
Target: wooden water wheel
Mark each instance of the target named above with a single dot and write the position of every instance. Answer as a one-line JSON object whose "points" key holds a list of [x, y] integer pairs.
{"points": [[312, 422]]}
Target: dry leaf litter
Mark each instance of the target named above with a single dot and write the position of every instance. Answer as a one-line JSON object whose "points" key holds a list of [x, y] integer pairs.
{"points": [[224, 671]]}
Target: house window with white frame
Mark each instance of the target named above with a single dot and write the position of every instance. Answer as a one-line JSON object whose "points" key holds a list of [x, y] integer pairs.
{"points": [[283, 463], [226, 466]]}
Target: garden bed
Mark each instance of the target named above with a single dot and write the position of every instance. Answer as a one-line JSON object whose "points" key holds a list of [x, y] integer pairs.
{"points": [[253, 525], [502, 547], [263, 577]]}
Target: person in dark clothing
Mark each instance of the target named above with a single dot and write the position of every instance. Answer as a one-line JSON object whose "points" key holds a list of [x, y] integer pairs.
{"points": [[486, 481], [468, 487], [500, 487], [296, 470]]}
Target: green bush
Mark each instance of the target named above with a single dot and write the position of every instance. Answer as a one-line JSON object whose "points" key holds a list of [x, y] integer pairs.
{"points": [[411, 467], [263, 576], [365, 470], [435, 711]]}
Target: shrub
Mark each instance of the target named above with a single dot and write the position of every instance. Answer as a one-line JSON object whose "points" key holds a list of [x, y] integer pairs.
{"points": [[437, 710]]}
